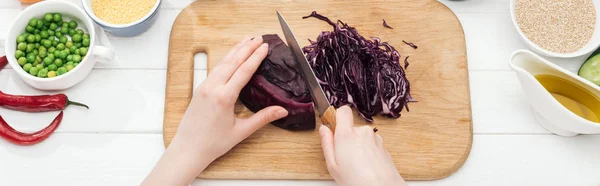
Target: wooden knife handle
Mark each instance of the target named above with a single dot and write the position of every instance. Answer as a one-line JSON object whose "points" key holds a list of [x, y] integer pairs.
{"points": [[328, 118]]}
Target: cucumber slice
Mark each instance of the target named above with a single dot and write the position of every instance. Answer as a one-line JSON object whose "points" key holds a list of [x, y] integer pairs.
{"points": [[590, 69]]}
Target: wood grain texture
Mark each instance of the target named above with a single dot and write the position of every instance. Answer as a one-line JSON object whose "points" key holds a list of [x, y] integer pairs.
{"points": [[430, 142]]}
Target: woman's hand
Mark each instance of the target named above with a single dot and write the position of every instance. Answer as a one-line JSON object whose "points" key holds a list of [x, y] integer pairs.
{"points": [[209, 124], [209, 127], [355, 155]]}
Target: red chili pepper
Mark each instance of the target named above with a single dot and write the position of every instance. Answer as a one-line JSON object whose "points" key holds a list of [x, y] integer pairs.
{"points": [[36, 103], [3, 62], [19, 138]]}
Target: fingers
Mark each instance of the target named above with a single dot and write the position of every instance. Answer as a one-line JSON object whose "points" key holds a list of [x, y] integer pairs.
{"points": [[344, 119], [328, 148], [225, 69], [243, 74], [267, 115]]}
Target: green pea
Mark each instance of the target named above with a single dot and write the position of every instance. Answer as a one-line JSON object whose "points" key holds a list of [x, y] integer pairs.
{"points": [[44, 34], [75, 64], [22, 61], [35, 53], [37, 45], [55, 42], [38, 38], [73, 24], [83, 51], [71, 32], [51, 50], [43, 73], [52, 67], [76, 58], [72, 49], [36, 31], [38, 59], [63, 39], [79, 31], [40, 24], [30, 59], [70, 63], [43, 54], [53, 26], [60, 46], [27, 66], [33, 71], [69, 67], [78, 45], [70, 58], [48, 60], [31, 38], [19, 54], [61, 70], [30, 48], [48, 17], [21, 38], [58, 33], [69, 44], [22, 46], [52, 74], [33, 22], [29, 29], [51, 56], [47, 43], [64, 54], [34, 64], [57, 53], [58, 63], [51, 33], [76, 38], [86, 36], [77, 52], [57, 18], [39, 66], [64, 30]]}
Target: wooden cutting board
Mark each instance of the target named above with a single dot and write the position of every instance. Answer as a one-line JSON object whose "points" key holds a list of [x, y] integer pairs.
{"points": [[430, 142]]}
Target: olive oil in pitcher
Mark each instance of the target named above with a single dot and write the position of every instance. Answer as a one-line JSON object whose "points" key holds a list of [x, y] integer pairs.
{"points": [[573, 97]]}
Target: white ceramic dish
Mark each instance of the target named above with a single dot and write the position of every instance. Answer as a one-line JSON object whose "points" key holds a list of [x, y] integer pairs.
{"points": [[588, 48], [69, 11], [547, 110]]}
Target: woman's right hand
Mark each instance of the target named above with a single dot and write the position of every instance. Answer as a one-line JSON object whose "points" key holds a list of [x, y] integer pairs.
{"points": [[355, 155]]}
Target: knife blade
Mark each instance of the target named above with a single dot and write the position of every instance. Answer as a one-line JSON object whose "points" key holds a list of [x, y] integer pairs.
{"points": [[326, 111]]}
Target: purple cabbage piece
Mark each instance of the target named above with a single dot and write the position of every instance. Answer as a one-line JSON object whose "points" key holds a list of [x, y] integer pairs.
{"points": [[363, 73], [278, 81]]}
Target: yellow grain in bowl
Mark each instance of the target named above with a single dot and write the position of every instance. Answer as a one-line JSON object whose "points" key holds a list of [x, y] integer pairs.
{"points": [[122, 11]]}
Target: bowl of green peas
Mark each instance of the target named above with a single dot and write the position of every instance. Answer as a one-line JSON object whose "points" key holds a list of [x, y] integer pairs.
{"points": [[51, 45]]}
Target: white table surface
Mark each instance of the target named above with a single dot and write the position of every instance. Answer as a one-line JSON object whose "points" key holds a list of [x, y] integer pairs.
{"points": [[119, 140]]}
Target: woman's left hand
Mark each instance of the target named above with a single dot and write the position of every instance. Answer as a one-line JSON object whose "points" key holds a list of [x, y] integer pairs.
{"points": [[209, 127]]}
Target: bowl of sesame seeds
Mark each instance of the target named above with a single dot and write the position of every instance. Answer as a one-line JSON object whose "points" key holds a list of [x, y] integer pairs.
{"points": [[124, 18], [558, 28]]}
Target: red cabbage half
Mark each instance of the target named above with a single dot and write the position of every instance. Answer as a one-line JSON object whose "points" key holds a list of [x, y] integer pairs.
{"points": [[278, 81], [357, 71]]}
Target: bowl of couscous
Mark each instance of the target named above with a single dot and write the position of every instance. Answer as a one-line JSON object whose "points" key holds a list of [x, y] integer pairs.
{"points": [[123, 18]]}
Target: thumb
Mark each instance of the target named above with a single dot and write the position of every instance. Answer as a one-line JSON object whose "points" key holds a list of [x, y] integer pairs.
{"points": [[328, 148], [260, 119]]}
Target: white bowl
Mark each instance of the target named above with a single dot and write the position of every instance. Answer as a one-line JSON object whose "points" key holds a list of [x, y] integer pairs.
{"points": [[69, 11], [588, 48]]}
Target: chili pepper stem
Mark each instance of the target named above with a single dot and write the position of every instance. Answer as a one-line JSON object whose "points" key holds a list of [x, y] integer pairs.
{"points": [[69, 102]]}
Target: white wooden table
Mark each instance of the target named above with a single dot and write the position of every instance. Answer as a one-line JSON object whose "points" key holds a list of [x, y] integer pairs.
{"points": [[119, 139]]}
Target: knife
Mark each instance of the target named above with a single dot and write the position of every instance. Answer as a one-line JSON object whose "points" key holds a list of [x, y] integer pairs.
{"points": [[326, 111]]}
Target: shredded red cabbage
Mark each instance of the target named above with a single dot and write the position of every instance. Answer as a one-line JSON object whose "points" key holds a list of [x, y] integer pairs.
{"points": [[363, 73], [386, 25], [410, 44]]}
